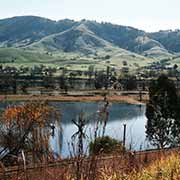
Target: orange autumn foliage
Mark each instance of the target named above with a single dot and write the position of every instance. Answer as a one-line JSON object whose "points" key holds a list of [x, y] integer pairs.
{"points": [[29, 124], [35, 112]]}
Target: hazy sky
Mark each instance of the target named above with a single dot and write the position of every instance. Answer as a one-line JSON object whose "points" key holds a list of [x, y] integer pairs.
{"points": [[149, 15]]}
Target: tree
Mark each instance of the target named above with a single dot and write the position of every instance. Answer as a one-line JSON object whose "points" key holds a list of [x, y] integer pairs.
{"points": [[90, 71], [131, 83], [103, 78], [27, 127], [24, 86], [8, 83], [107, 77], [48, 81], [62, 82], [162, 112], [175, 66], [100, 80]]}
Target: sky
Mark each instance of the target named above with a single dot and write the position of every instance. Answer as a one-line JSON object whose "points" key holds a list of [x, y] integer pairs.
{"points": [[148, 15]]}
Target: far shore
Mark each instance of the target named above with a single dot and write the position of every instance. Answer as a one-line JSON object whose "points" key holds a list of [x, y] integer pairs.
{"points": [[130, 99]]}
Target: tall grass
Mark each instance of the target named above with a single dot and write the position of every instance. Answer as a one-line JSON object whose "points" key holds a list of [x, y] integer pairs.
{"points": [[164, 169]]}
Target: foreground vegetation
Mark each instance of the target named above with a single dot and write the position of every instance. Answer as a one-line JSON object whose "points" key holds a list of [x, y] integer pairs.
{"points": [[27, 128], [165, 168]]}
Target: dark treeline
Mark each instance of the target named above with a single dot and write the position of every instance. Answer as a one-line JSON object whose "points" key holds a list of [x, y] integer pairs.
{"points": [[14, 84]]}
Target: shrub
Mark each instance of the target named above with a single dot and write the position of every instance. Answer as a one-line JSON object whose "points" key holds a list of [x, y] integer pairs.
{"points": [[104, 144]]}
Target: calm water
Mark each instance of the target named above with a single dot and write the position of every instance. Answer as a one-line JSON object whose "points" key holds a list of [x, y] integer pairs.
{"points": [[131, 115]]}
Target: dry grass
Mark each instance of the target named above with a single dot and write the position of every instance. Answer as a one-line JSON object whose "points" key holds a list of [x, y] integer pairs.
{"points": [[166, 168]]}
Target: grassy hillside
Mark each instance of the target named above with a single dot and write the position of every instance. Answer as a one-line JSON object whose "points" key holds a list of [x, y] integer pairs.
{"points": [[113, 57], [78, 39], [83, 36], [30, 40], [13, 55], [157, 53], [169, 39], [24, 30], [121, 36]]}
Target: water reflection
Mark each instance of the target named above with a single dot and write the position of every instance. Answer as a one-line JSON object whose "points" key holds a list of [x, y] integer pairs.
{"points": [[119, 114], [132, 115], [117, 111]]}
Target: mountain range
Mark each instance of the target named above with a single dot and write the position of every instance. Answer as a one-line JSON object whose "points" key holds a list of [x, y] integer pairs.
{"points": [[88, 38]]}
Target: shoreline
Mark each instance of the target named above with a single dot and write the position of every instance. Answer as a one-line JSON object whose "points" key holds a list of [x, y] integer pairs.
{"points": [[130, 99]]}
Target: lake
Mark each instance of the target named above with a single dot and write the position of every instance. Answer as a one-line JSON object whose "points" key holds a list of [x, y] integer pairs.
{"points": [[131, 115]]}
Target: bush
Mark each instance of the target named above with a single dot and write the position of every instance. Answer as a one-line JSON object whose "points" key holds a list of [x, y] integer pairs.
{"points": [[104, 144]]}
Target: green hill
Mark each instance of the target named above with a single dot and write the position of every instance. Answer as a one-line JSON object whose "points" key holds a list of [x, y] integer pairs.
{"points": [[22, 56], [78, 39], [24, 30], [169, 39], [33, 40]]}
